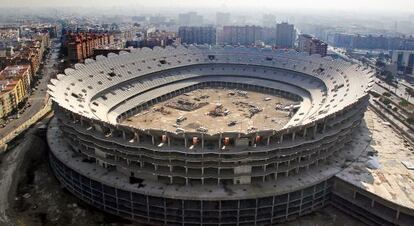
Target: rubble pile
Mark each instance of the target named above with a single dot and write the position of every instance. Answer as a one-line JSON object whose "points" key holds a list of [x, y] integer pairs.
{"points": [[252, 109], [162, 110], [218, 111], [185, 104], [237, 92]]}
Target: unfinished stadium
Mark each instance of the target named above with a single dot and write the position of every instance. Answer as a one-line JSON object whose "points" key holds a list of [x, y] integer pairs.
{"points": [[206, 135]]}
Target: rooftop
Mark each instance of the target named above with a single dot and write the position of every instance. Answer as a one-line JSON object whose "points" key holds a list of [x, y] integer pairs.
{"points": [[14, 71]]}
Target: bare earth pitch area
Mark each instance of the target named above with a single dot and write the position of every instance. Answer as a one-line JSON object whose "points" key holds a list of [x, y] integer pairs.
{"points": [[215, 110]]}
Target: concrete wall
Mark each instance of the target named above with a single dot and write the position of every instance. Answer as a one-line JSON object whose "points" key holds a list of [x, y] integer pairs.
{"points": [[165, 211]]}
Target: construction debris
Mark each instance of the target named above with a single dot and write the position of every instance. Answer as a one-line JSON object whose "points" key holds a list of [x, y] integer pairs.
{"points": [[26, 196], [202, 130], [232, 123], [288, 107], [218, 111], [237, 92], [253, 109], [185, 104], [162, 110], [251, 129]]}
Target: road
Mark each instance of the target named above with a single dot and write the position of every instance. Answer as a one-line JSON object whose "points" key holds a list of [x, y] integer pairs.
{"points": [[396, 121], [38, 97], [398, 91]]}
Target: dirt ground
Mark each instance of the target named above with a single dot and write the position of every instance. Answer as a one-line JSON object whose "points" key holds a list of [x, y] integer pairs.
{"points": [[41, 201], [239, 104]]}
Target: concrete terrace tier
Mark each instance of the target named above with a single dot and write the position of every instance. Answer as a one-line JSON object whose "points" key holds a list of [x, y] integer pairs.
{"points": [[158, 203], [63, 152], [216, 111], [380, 171], [117, 87]]}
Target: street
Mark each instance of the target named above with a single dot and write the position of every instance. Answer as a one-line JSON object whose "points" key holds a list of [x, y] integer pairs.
{"points": [[38, 97]]}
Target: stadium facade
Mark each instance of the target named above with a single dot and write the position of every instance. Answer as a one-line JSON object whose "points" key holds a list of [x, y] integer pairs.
{"points": [[199, 176]]}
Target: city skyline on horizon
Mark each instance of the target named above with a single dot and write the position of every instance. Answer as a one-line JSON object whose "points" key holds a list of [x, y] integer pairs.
{"points": [[396, 6]]}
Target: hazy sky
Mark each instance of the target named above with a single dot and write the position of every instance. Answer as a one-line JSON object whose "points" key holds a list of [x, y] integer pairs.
{"points": [[406, 6]]}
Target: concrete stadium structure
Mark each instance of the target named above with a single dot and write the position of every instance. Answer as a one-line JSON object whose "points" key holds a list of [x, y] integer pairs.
{"points": [[185, 177]]}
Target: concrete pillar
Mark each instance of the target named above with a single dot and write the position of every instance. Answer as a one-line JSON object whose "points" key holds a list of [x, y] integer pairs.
{"points": [[202, 141], [137, 137], [268, 141], [315, 129], [293, 136], [273, 207], [153, 140], [372, 203], [169, 141], [287, 206], [304, 131], [185, 141], [123, 135], [219, 142], [281, 138]]}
